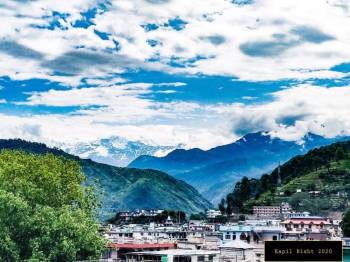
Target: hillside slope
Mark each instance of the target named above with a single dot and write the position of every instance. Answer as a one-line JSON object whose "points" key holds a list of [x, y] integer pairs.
{"points": [[214, 172], [317, 182], [127, 188]]}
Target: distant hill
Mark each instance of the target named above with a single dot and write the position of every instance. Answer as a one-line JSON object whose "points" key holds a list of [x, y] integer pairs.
{"points": [[127, 188], [214, 172], [318, 181]]}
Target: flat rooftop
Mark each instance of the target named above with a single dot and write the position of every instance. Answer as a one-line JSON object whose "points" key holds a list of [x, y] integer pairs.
{"points": [[177, 252]]}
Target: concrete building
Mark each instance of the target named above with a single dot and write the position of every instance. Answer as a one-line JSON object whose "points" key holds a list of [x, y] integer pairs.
{"points": [[213, 213], [145, 233], [174, 255], [249, 233], [307, 228], [267, 211], [119, 250], [128, 215], [236, 250], [285, 208]]}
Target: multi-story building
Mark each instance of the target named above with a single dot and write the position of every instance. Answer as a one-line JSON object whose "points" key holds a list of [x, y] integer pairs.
{"points": [[213, 213], [251, 233], [267, 211], [307, 228], [127, 215]]}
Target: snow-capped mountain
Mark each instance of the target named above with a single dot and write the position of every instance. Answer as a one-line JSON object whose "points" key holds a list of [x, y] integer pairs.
{"points": [[116, 151]]}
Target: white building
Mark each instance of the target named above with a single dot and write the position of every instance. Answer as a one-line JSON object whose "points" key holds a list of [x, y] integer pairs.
{"points": [[213, 213], [251, 233], [174, 255]]}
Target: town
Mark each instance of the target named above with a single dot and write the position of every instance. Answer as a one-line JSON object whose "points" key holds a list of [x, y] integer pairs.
{"points": [[241, 238]]}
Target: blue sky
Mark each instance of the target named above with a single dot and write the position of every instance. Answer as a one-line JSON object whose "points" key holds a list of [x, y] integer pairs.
{"points": [[169, 72]]}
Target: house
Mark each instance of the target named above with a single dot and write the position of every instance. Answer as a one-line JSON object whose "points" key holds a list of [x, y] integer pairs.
{"points": [[213, 213], [250, 233], [149, 213], [174, 255], [236, 250], [307, 228], [285, 208], [119, 250]]}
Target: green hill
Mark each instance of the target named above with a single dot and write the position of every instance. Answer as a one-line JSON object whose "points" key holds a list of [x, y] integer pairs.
{"points": [[127, 188], [318, 181]]}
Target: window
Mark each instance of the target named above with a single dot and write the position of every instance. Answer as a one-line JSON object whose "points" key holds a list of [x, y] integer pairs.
{"points": [[227, 236], [234, 237]]}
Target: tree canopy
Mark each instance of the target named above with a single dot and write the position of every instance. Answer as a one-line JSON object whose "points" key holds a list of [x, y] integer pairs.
{"points": [[345, 224], [45, 212]]}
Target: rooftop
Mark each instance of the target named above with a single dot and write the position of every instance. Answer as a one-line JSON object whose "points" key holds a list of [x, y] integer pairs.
{"points": [[142, 246], [178, 252]]}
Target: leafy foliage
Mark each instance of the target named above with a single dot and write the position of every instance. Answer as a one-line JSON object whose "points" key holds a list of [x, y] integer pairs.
{"points": [[45, 212], [345, 224]]}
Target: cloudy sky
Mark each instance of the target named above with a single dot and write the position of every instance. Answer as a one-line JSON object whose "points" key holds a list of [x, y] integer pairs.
{"points": [[199, 73]]}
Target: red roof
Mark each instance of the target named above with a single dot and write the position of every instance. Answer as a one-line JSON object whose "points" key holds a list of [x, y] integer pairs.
{"points": [[306, 221], [142, 246]]}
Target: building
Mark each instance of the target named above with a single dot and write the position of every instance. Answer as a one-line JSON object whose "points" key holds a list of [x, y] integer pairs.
{"points": [[119, 250], [213, 213], [150, 213], [298, 214], [236, 250], [307, 228], [285, 208], [174, 255], [267, 211], [251, 233], [145, 233]]}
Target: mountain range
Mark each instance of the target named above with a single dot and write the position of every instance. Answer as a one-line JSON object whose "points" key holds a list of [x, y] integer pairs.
{"points": [[214, 172], [126, 188], [116, 151]]}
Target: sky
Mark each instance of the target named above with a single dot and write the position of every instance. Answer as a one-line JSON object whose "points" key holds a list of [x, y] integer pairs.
{"points": [[198, 73]]}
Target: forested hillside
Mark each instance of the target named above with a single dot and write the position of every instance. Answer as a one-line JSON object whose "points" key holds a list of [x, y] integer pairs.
{"points": [[321, 177]]}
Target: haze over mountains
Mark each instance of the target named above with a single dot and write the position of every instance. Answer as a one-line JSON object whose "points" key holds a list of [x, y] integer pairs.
{"points": [[214, 172]]}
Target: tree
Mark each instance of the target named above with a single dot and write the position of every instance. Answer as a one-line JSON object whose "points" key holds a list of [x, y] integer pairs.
{"points": [[340, 154], [345, 224], [45, 212], [198, 216], [241, 218], [296, 199], [222, 207]]}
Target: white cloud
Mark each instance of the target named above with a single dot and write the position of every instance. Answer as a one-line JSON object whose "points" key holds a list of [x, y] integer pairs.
{"points": [[294, 112], [215, 29], [261, 41]]}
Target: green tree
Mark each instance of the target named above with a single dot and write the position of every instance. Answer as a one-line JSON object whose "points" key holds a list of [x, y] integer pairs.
{"points": [[296, 199], [345, 224], [45, 212], [340, 154], [222, 207]]}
